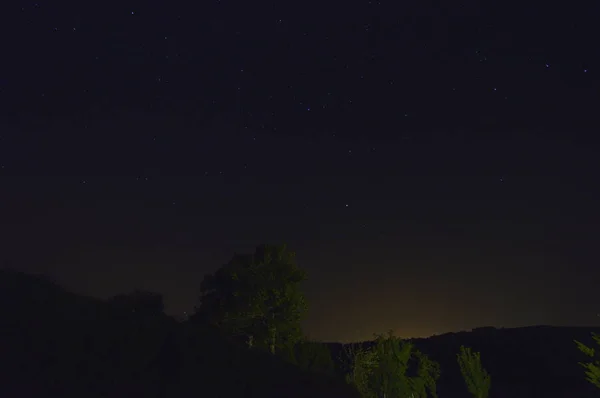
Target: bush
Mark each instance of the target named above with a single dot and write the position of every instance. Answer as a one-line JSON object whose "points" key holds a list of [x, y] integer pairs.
{"points": [[592, 369], [476, 377], [393, 368]]}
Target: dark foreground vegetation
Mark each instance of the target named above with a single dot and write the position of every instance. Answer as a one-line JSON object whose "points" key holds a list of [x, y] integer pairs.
{"points": [[58, 344]]}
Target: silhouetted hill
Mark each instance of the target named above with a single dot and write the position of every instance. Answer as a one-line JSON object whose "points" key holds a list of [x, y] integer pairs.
{"points": [[59, 344], [55, 343], [63, 344], [536, 361]]}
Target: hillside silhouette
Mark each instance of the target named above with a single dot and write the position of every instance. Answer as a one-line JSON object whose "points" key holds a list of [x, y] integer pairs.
{"points": [[536, 361], [57, 343]]}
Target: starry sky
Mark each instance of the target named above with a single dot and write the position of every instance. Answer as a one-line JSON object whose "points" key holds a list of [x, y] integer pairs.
{"points": [[433, 166]]}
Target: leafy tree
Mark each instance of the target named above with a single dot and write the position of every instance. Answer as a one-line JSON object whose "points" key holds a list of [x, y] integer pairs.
{"points": [[476, 377], [428, 372], [381, 371], [364, 363], [592, 369], [256, 297]]}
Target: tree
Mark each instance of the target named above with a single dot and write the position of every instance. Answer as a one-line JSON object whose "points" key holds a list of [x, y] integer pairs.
{"points": [[364, 362], [381, 371], [476, 377], [256, 297], [592, 369]]}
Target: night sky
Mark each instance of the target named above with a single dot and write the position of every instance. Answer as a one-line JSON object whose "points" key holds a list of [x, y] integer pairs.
{"points": [[434, 167]]}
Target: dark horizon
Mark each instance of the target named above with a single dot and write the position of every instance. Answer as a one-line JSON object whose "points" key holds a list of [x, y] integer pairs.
{"points": [[434, 169], [25, 279]]}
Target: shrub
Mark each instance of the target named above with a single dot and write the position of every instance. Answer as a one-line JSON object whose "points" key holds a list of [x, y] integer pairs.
{"points": [[476, 377]]}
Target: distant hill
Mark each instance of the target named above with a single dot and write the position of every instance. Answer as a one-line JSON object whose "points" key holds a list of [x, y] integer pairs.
{"points": [[536, 361], [55, 343], [527, 362]]}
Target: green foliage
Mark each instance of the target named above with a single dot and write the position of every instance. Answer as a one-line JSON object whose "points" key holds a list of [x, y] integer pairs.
{"points": [[476, 377], [382, 370], [592, 369], [257, 297], [363, 368], [428, 372]]}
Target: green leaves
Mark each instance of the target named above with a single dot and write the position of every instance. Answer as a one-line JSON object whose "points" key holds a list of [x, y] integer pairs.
{"points": [[589, 351], [592, 369], [428, 373], [476, 377], [257, 296], [382, 370]]}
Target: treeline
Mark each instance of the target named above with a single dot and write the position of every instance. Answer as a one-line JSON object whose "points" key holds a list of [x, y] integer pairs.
{"points": [[244, 340], [256, 300]]}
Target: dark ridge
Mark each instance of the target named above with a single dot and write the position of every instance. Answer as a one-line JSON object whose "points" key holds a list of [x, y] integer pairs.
{"points": [[59, 344], [534, 361]]}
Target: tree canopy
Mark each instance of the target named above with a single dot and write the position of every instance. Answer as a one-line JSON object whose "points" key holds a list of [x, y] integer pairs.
{"points": [[393, 368], [592, 369], [477, 379], [256, 297]]}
